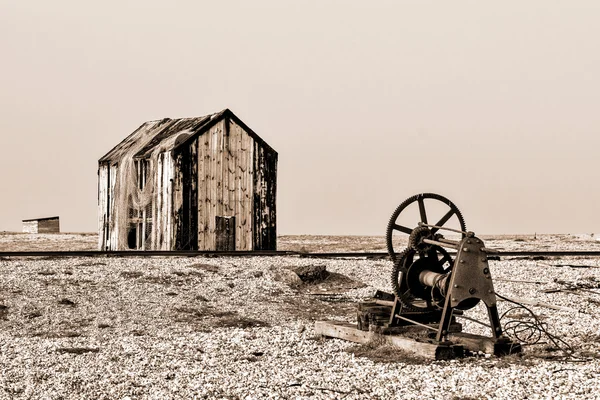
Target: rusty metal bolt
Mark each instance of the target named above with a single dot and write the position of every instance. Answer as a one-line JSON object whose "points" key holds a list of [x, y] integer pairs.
{"points": [[486, 271]]}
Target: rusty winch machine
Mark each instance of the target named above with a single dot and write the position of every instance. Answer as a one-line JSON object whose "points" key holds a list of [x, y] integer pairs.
{"points": [[432, 286]]}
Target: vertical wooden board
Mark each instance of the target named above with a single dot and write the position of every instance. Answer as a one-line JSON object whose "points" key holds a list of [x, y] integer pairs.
{"points": [[102, 205], [170, 199], [157, 203], [183, 210], [268, 192], [257, 180], [212, 191], [189, 208], [160, 224], [225, 169], [231, 182], [206, 139], [272, 201], [219, 172], [202, 164], [193, 245], [177, 202], [264, 198], [248, 198], [164, 210], [113, 242], [244, 192], [164, 193], [239, 167]]}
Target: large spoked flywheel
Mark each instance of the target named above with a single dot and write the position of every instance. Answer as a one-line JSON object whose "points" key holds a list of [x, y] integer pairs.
{"points": [[406, 223]]}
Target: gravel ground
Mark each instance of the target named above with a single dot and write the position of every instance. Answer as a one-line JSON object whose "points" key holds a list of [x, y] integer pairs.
{"points": [[243, 328]]}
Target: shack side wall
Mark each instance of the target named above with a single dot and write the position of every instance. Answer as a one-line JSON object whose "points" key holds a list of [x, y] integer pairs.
{"points": [[49, 226], [264, 198]]}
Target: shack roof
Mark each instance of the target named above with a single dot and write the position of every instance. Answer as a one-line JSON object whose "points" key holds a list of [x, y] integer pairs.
{"points": [[160, 133], [39, 219]]}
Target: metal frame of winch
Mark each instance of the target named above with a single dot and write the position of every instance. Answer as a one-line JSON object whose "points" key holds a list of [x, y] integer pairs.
{"points": [[428, 285]]}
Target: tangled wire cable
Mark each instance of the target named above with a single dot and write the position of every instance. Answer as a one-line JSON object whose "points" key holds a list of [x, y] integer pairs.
{"points": [[531, 331]]}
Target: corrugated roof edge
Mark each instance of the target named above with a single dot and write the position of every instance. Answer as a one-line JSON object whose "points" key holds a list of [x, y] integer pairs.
{"points": [[39, 219], [219, 116]]}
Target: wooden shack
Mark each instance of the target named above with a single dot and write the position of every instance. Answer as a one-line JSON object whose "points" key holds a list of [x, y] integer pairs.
{"points": [[205, 183], [41, 225]]}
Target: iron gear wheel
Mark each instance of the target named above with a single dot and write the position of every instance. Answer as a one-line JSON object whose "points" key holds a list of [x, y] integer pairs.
{"points": [[416, 237], [419, 198]]}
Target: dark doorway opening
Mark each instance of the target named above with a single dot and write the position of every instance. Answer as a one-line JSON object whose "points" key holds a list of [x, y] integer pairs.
{"points": [[225, 231]]}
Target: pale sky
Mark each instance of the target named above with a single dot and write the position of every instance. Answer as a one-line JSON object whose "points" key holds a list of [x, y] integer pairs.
{"points": [[494, 105]]}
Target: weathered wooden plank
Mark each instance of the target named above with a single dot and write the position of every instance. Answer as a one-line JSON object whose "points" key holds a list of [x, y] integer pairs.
{"points": [[202, 174], [212, 190], [113, 240], [166, 200], [158, 221], [248, 198], [219, 174], [231, 182], [271, 201], [102, 205], [257, 197], [433, 351], [485, 344], [246, 190], [194, 202], [231, 177], [265, 189], [239, 167], [177, 206], [225, 170]]}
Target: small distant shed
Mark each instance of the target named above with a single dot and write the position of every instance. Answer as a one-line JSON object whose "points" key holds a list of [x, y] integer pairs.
{"points": [[41, 225], [202, 183]]}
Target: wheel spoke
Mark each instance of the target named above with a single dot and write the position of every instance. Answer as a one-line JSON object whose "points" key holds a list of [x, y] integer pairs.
{"points": [[443, 220], [422, 210], [401, 228]]}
